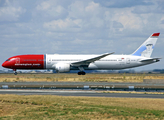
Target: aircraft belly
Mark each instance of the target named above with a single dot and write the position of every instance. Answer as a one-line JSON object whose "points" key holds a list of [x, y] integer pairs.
{"points": [[105, 65], [112, 65]]}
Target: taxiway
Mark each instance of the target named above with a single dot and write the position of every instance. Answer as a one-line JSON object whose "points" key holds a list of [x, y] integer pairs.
{"points": [[79, 93]]}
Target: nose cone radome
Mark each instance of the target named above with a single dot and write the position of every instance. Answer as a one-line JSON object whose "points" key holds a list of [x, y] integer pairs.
{"points": [[5, 65]]}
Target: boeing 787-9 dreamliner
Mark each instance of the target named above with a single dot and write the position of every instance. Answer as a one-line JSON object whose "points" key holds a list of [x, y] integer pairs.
{"points": [[65, 63]]}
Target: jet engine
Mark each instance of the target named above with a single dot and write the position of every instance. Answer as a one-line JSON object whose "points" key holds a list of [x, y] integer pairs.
{"points": [[62, 67]]}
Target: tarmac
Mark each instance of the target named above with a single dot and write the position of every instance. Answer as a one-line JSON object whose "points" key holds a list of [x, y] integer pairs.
{"points": [[79, 93], [85, 85], [88, 89]]}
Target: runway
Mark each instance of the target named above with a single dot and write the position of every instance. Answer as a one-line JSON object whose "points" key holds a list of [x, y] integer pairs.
{"points": [[79, 93], [83, 85]]}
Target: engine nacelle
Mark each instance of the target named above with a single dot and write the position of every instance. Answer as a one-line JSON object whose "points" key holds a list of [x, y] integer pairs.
{"points": [[62, 67]]}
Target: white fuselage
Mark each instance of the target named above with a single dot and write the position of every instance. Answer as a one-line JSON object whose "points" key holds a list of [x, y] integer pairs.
{"points": [[111, 62]]}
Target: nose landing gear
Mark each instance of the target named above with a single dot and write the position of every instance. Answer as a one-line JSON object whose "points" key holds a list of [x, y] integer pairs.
{"points": [[15, 72]]}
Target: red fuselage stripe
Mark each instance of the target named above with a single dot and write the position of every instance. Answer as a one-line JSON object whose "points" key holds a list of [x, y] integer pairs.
{"points": [[26, 62]]}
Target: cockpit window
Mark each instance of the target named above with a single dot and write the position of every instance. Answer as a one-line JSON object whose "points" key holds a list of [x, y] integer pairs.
{"points": [[8, 60]]}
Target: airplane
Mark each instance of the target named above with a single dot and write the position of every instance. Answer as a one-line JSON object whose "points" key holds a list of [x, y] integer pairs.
{"points": [[65, 63]]}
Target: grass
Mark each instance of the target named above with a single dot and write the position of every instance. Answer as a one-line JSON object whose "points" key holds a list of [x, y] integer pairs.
{"points": [[76, 78], [41, 107]]}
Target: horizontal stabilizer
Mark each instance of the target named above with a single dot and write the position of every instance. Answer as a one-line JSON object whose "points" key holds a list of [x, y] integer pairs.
{"points": [[151, 59], [88, 61]]}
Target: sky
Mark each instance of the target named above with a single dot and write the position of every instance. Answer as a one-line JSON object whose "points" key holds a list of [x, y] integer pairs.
{"points": [[80, 27]]}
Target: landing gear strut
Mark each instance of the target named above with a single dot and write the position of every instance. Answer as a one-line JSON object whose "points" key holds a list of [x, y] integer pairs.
{"points": [[15, 72], [81, 71]]}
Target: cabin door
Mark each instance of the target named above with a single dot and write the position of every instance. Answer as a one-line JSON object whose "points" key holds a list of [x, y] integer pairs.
{"points": [[49, 60], [17, 61], [127, 60]]}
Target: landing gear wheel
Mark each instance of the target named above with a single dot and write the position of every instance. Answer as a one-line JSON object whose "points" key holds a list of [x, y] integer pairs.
{"points": [[15, 72], [81, 73]]}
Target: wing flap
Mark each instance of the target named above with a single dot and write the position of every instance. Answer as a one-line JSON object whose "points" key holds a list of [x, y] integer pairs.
{"points": [[88, 61]]}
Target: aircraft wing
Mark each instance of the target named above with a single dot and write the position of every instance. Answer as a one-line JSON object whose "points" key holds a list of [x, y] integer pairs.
{"points": [[88, 61], [151, 59]]}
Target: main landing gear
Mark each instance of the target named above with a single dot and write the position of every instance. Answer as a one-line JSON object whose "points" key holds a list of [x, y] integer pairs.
{"points": [[81, 71], [15, 72]]}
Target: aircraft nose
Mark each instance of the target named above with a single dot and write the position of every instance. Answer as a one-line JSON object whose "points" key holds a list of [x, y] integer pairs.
{"points": [[5, 64]]}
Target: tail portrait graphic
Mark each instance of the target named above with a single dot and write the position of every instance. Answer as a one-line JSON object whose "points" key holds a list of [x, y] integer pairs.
{"points": [[147, 47]]}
